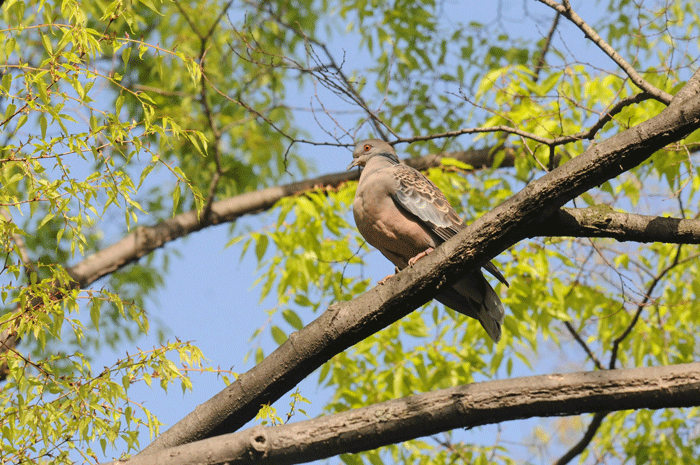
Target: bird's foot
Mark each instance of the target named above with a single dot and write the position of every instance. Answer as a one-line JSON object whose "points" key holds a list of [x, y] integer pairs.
{"points": [[386, 278], [412, 261]]}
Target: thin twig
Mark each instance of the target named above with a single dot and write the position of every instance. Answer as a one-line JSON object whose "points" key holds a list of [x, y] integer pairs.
{"points": [[348, 88], [545, 47], [641, 306], [551, 142], [565, 9], [583, 344], [585, 440]]}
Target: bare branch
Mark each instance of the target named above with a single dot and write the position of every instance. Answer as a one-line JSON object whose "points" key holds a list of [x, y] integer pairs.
{"points": [[500, 128], [566, 10], [641, 307], [583, 344], [551, 142], [465, 406], [541, 60]]}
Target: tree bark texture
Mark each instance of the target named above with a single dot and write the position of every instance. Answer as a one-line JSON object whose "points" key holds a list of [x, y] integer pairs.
{"points": [[458, 407], [605, 222]]}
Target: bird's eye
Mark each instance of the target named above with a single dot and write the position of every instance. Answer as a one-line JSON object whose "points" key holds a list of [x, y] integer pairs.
{"points": [[367, 147]]}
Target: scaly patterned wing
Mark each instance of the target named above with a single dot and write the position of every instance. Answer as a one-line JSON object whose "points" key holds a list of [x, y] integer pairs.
{"points": [[418, 195]]}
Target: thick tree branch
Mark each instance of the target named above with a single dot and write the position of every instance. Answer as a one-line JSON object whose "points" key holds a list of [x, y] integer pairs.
{"points": [[347, 323], [458, 407], [604, 222]]}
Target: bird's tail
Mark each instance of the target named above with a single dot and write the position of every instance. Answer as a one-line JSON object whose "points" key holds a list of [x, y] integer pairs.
{"points": [[473, 296]]}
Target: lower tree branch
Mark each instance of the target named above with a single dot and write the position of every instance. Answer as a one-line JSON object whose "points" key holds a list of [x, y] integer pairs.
{"points": [[465, 406]]}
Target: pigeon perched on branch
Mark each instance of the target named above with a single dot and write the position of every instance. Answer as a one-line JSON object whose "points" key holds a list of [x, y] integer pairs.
{"points": [[405, 216]]}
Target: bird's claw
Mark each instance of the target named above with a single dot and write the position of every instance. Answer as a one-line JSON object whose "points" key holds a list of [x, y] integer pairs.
{"points": [[386, 278], [412, 261]]}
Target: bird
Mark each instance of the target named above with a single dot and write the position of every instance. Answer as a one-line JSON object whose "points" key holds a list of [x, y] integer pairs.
{"points": [[401, 213]]}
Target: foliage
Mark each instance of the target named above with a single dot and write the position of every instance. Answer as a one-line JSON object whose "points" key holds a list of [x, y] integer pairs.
{"points": [[119, 113]]}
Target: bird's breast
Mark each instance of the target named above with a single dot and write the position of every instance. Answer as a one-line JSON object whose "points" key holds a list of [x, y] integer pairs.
{"points": [[391, 230]]}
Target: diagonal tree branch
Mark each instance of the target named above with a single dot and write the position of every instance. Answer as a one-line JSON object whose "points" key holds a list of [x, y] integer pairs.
{"points": [[458, 407], [346, 323]]}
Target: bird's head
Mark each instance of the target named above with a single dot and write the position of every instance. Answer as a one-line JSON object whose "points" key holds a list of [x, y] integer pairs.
{"points": [[369, 148]]}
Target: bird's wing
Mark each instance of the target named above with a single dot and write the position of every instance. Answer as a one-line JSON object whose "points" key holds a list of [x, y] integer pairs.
{"points": [[417, 195]]}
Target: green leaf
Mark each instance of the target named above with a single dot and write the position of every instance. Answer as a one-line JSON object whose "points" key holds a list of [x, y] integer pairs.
{"points": [[176, 197], [10, 45], [20, 122], [7, 82], [47, 44], [447, 161], [293, 319], [278, 335], [42, 125], [261, 246], [95, 313]]}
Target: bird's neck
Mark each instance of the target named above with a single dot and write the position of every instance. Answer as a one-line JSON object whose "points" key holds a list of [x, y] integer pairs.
{"points": [[381, 160]]}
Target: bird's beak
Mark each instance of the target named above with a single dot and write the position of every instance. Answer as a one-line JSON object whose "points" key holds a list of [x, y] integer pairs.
{"points": [[354, 163]]}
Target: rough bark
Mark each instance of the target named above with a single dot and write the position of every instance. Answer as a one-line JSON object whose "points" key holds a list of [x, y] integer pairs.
{"points": [[458, 407], [604, 222], [346, 323]]}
